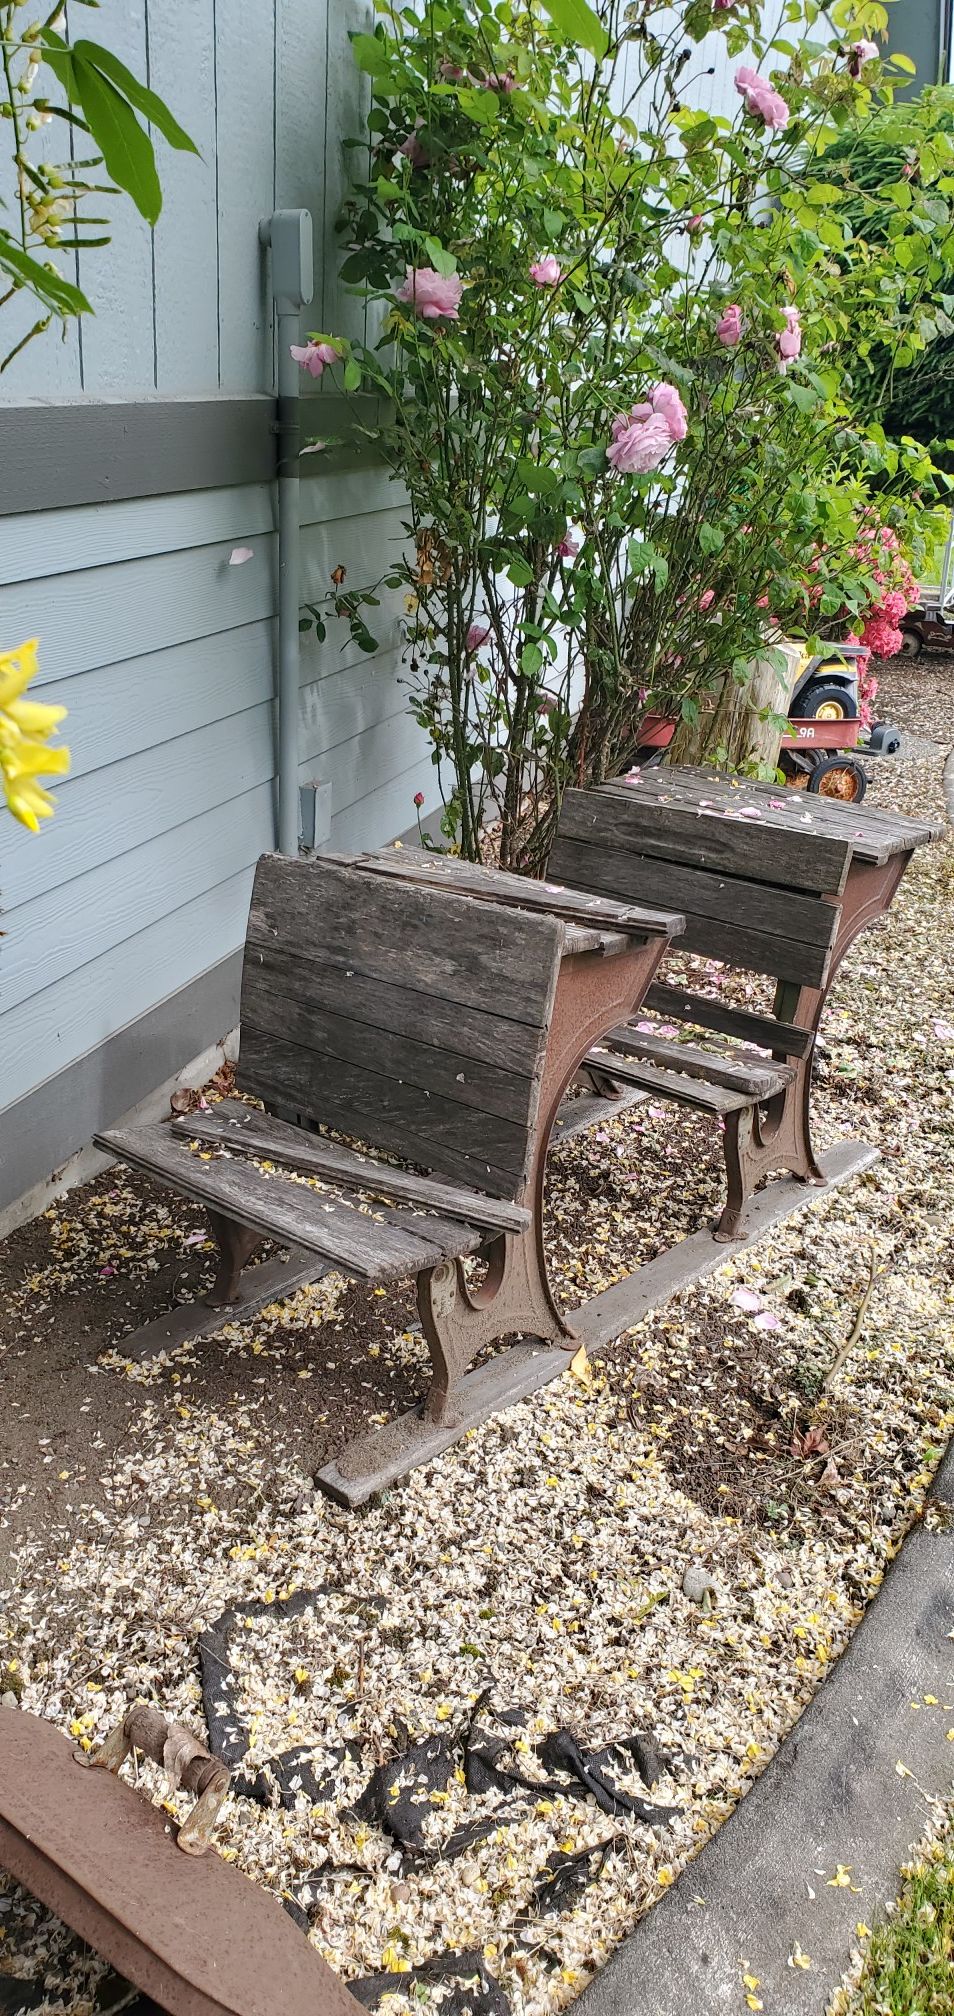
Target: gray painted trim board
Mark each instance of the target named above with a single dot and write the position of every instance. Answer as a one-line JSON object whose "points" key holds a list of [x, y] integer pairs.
{"points": [[44, 1128], [95, 451], [88, 451]]}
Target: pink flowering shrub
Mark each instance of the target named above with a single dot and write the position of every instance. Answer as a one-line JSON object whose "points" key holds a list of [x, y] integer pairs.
{"points": [[642, 367]]}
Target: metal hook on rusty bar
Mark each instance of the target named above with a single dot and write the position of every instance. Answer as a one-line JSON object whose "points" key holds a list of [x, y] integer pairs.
{"points": [[184, 1759]]}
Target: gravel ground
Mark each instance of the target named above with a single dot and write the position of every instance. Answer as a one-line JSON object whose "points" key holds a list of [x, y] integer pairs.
{"points": [[676, 1544]]}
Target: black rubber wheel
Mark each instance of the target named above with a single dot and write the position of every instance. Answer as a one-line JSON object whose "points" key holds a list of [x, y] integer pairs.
{"points": [[839, 777], [824, 701], [885, 738], [912, 645]]}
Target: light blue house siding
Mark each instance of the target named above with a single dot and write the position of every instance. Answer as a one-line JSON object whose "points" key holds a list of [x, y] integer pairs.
{"points": [[123, 919]]}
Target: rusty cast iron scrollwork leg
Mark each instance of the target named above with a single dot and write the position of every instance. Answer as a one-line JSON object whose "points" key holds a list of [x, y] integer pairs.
{"points": [[594, 994], [777, 1135]]}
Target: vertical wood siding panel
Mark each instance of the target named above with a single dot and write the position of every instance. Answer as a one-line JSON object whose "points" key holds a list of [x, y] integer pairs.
{"points": [[246, 138], [182, 64], [301, 82], [349, 99], [118, 343]]}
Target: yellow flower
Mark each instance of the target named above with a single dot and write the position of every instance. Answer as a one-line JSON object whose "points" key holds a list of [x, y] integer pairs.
{"points": [[24, 727], [17, 668]]}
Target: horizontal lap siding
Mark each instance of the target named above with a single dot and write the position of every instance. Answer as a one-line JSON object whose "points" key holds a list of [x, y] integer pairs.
{"points": [[141, 881]]}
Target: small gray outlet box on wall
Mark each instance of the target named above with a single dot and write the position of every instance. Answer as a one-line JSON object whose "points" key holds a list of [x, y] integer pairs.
{"points": [[315, 815]]}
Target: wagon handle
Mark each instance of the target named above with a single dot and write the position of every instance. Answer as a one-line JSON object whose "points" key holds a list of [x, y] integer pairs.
{"points": [[184, 1759]]}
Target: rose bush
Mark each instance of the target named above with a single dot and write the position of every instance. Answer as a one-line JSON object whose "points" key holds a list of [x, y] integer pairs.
{"points": [[615, 364]]}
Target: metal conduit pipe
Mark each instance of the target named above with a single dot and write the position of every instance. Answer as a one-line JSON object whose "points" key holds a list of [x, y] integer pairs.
{"points": [[289, 236]]}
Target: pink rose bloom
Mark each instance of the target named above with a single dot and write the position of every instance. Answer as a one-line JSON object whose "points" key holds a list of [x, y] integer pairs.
{"points": [[789, 339], [504, 82], [761, 99], [568, 548], [707, 598], [547, 272], [665, 400], [314, 356], [642, 437], [450, 72], [641, 440], [729, 326], [861, 53], [431, 295], [477, 635]]}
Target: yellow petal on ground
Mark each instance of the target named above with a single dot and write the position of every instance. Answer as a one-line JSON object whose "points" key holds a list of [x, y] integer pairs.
{"points": [[863, 1930], [581, 1368]]}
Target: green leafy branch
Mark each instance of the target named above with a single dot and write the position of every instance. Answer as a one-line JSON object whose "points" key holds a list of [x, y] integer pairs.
{"points": [[105, 101]]}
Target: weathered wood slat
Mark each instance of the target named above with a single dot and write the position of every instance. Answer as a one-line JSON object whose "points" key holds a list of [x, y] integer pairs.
{"points": [[478, 956], [614, 870], [827, 813], [250, 1132], [681, 1006], [387, 1246], [296, 971], [482, 1150], [874, 834], [579, 938], [468, 878], [781, 913], [411, 1091], [441, 1073], [618, 815], [668, 1084], [737, 1074]]}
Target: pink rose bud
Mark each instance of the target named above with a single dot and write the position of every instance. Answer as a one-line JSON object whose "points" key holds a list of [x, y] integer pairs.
{"points": [[729, 326], [789, 339], [694, 224], [418, 799]]}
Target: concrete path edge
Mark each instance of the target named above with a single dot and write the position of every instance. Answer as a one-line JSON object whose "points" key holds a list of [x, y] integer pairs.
{"points": [[832, 1794]]}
